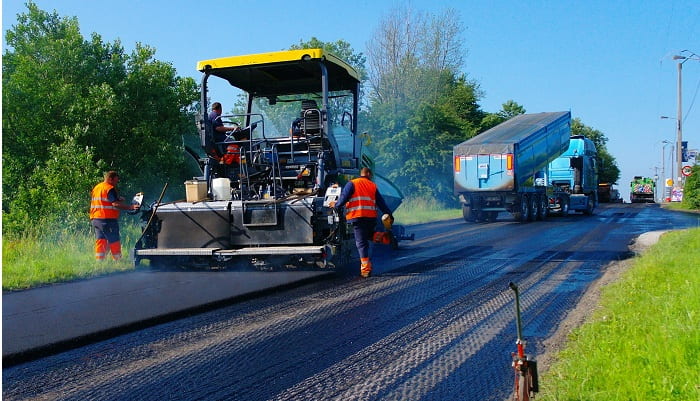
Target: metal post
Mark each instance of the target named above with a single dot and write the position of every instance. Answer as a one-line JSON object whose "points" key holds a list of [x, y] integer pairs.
{"points": [[663, 170], [679, 139]]}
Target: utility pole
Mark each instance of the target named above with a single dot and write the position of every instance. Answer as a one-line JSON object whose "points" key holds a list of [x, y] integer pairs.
{"points": [[679, 117]]}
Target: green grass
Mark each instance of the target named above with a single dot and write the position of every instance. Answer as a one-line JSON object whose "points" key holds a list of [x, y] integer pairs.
{"points": [[644, 341], [40, 259], [422, 210]]}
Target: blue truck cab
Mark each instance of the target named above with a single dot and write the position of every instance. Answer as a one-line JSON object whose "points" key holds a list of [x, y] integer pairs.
{"points": [[573, 178]]}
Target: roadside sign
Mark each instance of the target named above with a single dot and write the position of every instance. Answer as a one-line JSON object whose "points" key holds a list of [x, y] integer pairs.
{"points": [[686, 170]]}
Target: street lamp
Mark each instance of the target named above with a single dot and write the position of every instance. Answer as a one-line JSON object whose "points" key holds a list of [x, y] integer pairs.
{"points": [[679, 119]]}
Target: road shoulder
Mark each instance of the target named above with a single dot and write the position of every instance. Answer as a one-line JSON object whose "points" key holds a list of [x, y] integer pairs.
{"points": [[589, 303]]}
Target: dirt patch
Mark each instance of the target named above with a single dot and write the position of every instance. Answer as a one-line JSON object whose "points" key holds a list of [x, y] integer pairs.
{"points": [[590, 301]]}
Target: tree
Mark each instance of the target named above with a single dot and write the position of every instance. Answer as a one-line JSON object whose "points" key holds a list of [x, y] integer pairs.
{"points": [[73, 108], [508, 110], [691, 190], [420, 104], [409, 50], [417, 156], [339, 48], [607, 165]]}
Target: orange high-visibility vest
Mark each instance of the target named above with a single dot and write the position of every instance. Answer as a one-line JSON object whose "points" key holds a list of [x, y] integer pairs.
{"points": [[233, 154], [100, 205], [363, 200]]}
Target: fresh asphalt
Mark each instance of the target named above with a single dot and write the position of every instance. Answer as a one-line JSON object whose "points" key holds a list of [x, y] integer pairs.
{"points": [[49, 319], [46, 320]]}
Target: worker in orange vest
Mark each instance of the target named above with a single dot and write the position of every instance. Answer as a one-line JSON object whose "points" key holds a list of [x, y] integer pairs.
{"points": [[361, 199], [105, 204]]}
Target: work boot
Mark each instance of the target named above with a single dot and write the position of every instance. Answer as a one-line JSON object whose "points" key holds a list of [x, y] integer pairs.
{"points": [[365, 267]]}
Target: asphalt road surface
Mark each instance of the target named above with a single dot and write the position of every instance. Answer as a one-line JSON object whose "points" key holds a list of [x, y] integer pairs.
{"points": [[436, 322]]}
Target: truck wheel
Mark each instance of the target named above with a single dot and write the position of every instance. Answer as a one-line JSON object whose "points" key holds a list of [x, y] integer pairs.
{"points": [[564, 207], [524, 209], [467, 214], [589, 207], [544, 207], [534, 207]]}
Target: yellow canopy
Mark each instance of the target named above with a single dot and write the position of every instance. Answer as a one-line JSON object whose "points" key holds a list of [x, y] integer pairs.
{"points": [[283, 72]]}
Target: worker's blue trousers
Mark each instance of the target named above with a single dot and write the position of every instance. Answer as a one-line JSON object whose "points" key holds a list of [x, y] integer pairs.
{"points": [[363, 228]]}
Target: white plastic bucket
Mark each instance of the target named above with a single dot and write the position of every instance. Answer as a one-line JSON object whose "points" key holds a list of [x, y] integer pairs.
{"points": [[221, 189]]}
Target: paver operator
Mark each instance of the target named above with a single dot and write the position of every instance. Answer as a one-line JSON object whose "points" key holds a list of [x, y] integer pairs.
{"points": [[361, 199], [105, 204]]}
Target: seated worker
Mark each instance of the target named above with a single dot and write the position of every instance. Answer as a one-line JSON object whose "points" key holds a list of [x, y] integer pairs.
{"points": [[220, 130]]}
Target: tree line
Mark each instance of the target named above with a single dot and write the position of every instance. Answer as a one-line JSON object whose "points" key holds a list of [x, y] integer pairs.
{"points": [[76, 107]]}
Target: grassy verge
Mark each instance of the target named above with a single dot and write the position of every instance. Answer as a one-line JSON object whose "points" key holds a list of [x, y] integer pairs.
{"points": [[421, 210], [40, 259], [644, 341]]}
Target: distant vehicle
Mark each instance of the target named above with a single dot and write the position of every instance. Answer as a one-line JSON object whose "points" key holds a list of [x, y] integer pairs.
{"points": [[608, 194], [615, 196], [605, 192], [642, 189], [528, 166]]}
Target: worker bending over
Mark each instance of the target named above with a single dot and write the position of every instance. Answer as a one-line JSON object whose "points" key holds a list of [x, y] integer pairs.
{"points": [[361, 199]]}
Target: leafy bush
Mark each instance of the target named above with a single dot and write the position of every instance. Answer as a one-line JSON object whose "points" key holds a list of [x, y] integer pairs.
{"points": [[691, 190], [74, 108]]}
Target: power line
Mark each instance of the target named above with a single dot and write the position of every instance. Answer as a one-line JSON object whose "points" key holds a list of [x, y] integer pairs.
{"points": [[692, 102]]}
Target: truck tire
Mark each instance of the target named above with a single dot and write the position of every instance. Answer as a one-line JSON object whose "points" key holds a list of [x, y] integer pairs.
{"points": [[467, 214], [589, 207], [524, 214], [564, 207], [534, 207], [544, 207]]}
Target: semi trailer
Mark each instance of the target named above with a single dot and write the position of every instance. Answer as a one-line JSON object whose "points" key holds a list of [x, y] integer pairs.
{"points": [[528, 166], [263, 197]]}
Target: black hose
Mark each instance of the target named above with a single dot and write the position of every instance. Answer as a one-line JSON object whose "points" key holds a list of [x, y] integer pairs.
{"points": [[153, 213]]}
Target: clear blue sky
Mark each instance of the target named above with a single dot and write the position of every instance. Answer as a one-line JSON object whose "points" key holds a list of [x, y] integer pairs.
{"points": [[609, 62]]}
